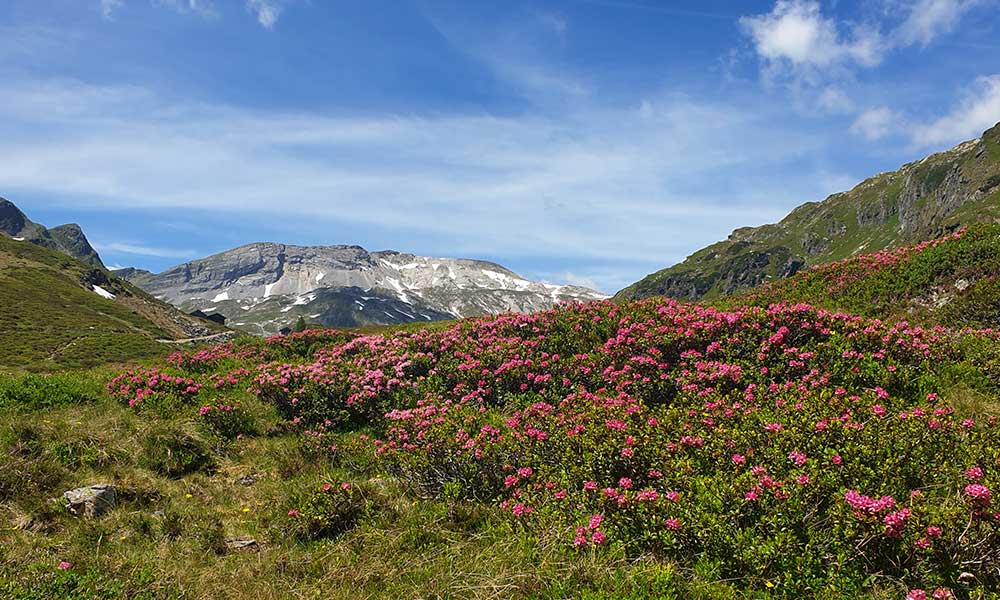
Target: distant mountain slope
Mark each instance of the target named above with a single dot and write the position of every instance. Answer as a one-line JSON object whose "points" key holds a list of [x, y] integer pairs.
{"points": [[264, 287], [68, 239], [57, 312], [920, 201], [953, 280]]}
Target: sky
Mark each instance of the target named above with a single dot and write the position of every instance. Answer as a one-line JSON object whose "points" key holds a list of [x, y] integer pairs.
{"points": [[574, 141]]}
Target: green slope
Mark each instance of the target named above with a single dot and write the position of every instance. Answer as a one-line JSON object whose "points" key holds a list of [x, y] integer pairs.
{"points": [[51, 318], [952, 281], [920, 201]]}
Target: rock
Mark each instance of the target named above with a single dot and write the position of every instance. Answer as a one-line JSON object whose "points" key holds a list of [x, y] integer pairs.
{"points": [[91, 501], [237, 544]]}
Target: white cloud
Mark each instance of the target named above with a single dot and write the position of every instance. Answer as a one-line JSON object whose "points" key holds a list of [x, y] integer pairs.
{"points": [[796, 34], [140, 250], [876, 123], [977, 112], [203, 8], [108, 7], [266, 11], [592, 183], [928, 19], [834, 100]]}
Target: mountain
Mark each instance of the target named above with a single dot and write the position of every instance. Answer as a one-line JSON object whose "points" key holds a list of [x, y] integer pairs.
{"points": [[68, 239], [58, 312], [921, 200], [264, 287]]}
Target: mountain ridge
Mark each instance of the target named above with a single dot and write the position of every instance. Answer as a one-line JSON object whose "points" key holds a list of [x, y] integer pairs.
{"points": [[263, 286], [921, 200], [68, 238]]}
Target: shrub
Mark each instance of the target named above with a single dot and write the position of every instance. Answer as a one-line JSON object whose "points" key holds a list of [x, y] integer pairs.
{"points": [[37, 392], [227, 421], [333, 509], [173, 451]]}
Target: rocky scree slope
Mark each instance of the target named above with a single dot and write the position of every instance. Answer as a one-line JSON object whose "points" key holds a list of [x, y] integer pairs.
{"points": [[920, 201], [68, 239], [264, 287]]}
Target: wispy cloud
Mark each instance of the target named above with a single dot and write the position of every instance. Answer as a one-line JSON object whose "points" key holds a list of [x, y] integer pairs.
{"points": [[928, 19], [876, 123], [597, 182], [140, 250], [108, 7], [977, 111], [267, 12]]}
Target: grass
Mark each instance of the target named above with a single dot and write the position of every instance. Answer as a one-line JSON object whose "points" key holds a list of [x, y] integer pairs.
{"points": [[167, 538], [52, 321]]}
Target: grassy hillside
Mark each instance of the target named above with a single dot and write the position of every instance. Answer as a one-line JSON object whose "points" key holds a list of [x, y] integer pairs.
{"points": [[648, 450], [51, 317], [921, 200], [952, 280]]}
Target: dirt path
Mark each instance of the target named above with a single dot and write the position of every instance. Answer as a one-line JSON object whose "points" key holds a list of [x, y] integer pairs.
{"points": [[205, 338]]}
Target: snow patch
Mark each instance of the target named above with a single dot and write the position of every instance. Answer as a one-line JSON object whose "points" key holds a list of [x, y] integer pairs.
{"points": [[221, 297], [320, 277], [268, 288], [103, 293], [18, 239]]}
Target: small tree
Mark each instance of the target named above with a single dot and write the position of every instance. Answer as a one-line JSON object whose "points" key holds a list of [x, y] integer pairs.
{"points": [[300, 325]]}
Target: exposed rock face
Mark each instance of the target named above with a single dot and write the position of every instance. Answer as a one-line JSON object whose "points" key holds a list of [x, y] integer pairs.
{"points": [[921, 200], [91, 501], [266, 286], [68, 239]]}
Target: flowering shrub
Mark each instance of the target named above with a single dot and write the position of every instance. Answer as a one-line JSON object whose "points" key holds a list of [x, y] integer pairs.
{"points": [[785, 444], [144, 385]]}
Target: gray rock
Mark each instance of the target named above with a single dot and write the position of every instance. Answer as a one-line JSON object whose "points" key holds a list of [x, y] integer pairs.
{"points": [[237, 544], [91, 501]]}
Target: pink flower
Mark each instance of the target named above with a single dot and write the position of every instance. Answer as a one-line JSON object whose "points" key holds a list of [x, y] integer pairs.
{"points": [[65, 566], [837, 459], [739, 459], [978, 492], [933, 531], [525, 471], [672, 496], [974, 473], [595, 521], [293, 513], [803, 480], [590, 485], [917, 594], [799, 458], [673, 524], [598, 538], [581, 537], [625, 482], [942, 594]]}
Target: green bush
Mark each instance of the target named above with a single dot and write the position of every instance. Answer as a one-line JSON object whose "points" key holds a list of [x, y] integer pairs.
{"points": [[332, 510], [31, 392], [172, 451]]}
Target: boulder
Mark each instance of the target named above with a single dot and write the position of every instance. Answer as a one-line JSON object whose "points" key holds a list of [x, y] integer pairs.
{"points": [[91, 501]]}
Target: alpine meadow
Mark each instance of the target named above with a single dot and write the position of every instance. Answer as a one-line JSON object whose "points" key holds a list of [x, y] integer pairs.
{"points": [[534, 395]]}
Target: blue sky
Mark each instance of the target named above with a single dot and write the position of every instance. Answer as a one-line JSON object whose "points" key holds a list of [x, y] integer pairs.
{"points": [[584, 141]]}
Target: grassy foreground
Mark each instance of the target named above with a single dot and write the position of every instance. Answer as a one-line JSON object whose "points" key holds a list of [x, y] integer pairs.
{"points": [[643, 450]]}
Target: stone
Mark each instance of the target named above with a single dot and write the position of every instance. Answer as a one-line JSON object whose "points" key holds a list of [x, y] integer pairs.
{"points": [[91, 501], [237, 544]]}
